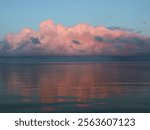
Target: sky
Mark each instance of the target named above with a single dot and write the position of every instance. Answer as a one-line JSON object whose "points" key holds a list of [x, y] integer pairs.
{"points": [[121, 15], [17, 14]]}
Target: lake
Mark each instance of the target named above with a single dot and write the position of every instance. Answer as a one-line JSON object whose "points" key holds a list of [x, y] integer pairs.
{"points": [[103, 86]]}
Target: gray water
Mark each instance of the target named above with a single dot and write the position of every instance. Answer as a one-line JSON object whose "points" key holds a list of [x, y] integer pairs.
{"points": [[75, 87]]}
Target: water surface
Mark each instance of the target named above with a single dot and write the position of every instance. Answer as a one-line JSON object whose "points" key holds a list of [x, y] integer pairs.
{"points": [[75, 87]]}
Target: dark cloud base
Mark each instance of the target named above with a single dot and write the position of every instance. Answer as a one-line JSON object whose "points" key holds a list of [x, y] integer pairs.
{"points": [[72, 59]]}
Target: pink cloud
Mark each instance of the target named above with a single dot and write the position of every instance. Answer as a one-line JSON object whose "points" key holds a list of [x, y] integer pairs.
{"points": [[82, 39]]}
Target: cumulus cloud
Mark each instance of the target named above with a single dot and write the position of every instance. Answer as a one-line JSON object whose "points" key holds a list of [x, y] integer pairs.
{"points": [[79, 40]]}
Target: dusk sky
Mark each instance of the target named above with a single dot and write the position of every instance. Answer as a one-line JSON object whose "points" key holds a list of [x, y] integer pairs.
{"points": [[129, 18], [17, 14]]}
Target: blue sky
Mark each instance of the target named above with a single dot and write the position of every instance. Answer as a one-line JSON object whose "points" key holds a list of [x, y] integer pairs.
{"points": [[17, 14]]}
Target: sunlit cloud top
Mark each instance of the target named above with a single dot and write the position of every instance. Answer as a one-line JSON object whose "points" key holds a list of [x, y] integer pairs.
{"points": [[79, 40]]}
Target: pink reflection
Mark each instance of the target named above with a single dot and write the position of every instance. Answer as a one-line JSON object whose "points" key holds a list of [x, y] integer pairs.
{"points": [[64, 82]]}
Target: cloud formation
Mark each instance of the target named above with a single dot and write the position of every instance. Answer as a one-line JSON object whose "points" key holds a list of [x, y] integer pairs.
{"points": [[79, 40]]}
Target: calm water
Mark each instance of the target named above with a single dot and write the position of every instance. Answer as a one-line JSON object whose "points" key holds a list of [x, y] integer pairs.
{"points": [[75, 87]]}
